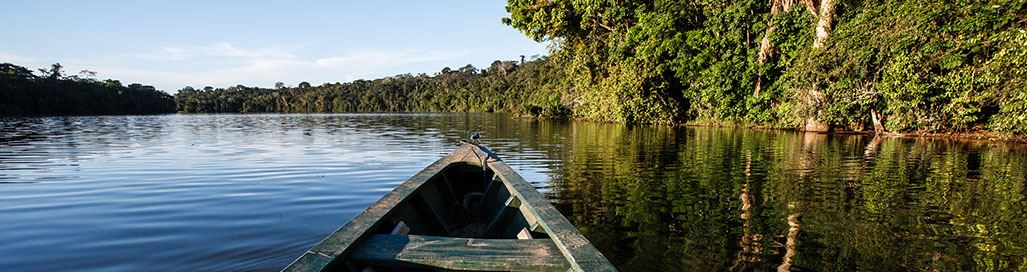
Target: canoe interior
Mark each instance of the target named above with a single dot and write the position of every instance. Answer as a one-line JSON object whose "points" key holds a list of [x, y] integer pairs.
{"points": [[468, 211], [463, 201]]}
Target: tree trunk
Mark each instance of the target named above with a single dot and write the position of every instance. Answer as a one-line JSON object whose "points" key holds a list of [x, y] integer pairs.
{"points": [[759, 86], [823, 31], [810, 7], [878, 127], [826, 16], [766, 48], [812, 125]]}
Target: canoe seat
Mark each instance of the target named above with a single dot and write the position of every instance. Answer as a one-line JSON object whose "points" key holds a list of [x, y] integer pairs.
{"points": [[386, 250]]}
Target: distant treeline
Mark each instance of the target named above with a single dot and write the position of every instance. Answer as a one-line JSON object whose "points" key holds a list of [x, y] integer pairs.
{"points": [[530, 87], [23, 93]]}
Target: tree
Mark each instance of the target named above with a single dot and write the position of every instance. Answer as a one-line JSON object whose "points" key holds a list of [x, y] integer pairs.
{"points": [[55, 72], [279, 85], [15, 71], [22, 93], [469, 69], [113, 83], [304, 85], [87, 74]]}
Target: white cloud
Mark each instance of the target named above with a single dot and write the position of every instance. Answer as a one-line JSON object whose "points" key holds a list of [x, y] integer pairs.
{"points": [[223, 49], [17, 59], [228, 50], [224, 64], [377, 58], [165, 54]]}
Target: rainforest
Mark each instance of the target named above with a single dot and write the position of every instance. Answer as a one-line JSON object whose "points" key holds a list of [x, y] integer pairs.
{"points": [[850, 65]]}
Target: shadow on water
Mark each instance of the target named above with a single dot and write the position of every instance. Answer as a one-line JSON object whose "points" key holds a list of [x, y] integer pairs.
{"points": [[252, 192]]}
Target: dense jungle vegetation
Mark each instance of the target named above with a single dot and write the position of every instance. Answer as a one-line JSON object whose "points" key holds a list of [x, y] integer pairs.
{"points": [[910, 65], [903, 66], [22, 93]]}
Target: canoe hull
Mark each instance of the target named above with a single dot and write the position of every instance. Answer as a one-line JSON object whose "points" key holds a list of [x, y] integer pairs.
{"points": [[467, 196]]}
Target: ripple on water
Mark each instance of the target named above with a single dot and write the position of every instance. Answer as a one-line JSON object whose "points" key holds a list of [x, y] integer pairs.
{"points": [[252, 192]]}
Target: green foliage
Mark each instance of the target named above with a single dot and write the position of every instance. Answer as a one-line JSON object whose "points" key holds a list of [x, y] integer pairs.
{"points": [[528, 88], [1009, 82], [926, 66], [23, 93]]}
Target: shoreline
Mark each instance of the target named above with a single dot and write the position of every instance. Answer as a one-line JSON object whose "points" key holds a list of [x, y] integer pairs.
{"points": [[979, 135], [982, 135]]}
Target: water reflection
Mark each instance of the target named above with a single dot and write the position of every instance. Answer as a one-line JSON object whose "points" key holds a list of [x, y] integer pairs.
{"points": [[252, 192], [720, 199]]}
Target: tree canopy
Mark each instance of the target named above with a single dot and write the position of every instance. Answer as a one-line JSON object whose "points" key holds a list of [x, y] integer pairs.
{"points": [[505, 86], [932, 66], [23, 93]]}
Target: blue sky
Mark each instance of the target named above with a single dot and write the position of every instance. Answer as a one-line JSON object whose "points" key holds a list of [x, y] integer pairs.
{"points": [[172, 44]]}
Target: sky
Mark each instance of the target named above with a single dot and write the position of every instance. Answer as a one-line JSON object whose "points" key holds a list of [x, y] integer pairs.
{"points": [[173, 44]]}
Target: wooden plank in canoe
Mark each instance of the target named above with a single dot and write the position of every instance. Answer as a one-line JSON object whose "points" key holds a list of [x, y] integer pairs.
{"points": [[461, 253]]}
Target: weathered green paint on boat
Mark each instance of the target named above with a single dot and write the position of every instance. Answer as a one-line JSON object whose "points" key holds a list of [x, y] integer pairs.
{"points": [[461, 216]]}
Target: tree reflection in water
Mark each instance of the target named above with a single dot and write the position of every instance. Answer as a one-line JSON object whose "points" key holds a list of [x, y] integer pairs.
{"points": [[666, 199]]}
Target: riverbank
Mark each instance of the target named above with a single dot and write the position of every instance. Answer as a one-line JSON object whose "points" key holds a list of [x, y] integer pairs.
{"points": [[978, 135]]}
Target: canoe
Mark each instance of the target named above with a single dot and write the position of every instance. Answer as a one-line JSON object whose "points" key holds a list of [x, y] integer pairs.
{"points": [[467, 211]]}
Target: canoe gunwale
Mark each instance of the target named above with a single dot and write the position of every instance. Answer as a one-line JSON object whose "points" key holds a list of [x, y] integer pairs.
{"points": [[580, 254]]}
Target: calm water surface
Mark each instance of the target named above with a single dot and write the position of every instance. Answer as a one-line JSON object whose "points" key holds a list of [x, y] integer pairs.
{"points": [[252, 192]]}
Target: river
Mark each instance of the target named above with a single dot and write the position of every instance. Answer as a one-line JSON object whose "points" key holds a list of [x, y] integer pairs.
{"points": [[253, 192]]}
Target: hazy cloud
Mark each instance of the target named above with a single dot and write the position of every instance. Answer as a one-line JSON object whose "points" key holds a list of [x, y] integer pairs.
{"points": [[17, 59], [226, 64]]}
